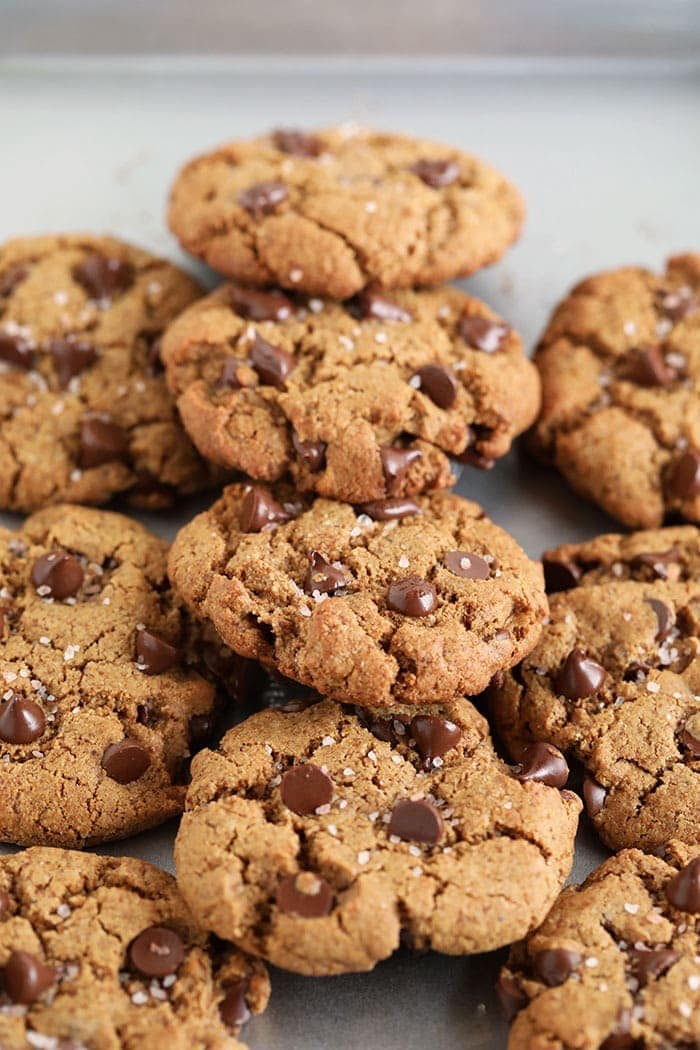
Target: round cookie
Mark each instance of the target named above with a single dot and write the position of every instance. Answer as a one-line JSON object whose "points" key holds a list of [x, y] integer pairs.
{"points": [[357, 401], [615, 680], [620, 368], [103, 699], [85, 413], [317, 834], [330, 212], [616, 963], [103, 952], [411, 601]]}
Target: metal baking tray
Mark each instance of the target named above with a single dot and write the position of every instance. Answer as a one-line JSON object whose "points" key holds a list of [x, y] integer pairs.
{"points": [[607, 154]]}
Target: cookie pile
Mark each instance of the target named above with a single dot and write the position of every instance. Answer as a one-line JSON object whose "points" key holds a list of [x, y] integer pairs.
{"points": [[334, 389]]}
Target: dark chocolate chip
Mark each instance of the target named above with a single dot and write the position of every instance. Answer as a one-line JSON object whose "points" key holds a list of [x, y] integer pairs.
{"points": [[103, 277], [200, 730], [657, 561], [322, 576], [306, 787], [156, 952], [125, 761], [271, 363], [21, 720], [510, 994], [594, 795], [387, 729], [256, 305], [544, 764], [12, 278], [470, 566], [27, 977], [690, 735], [648, 964], [579, 676], [483, 333], [70, 357], [262, 198], [297, 143], [228, 378], [101, 441], [305, 894], [553, 966], [434, 737], [560, 575], [260, 509], [16, 350], [395, 463], [390, 509], [471, 458], [684, 477], [233, 1008], [436, 173], [153, 654], [412, 596], [416, 821], [647, 367], [683, 891], [439, 383], [58, 575], [665, 618], [372, 304], [679, 304], [311, 453]]}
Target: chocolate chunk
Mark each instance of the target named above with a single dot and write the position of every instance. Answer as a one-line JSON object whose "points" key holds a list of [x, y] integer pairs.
{"points": [[323, 577], [553, 966], [470, 566], [103, 277], [544, 764], [579, 676], [101, 441], [648, 964], [416, 821], [657, 561], [311, 453], [690, 735], [679, 304], [16, 350], [621, 1038], [436, 173], [297, 143], [390, 509], [395, 463], [648, 367], [390, 730], [58, 575], [482, 333], [439, 383], [560, 575], [228, 379], [471, 458], [434, 737], [153, 654], [256, 305], [12, 278], [262, 198], [684, 476], [665, 617], [200, 730], [259, 510], [372, 304], [70, 357], [156, 952], [510, 994], [306, 787], [594, 795], [125, 761], [272, 364], [233, 1008], [305, 894], [683, 891], [27, 977], [21, 720], [412, 596]]}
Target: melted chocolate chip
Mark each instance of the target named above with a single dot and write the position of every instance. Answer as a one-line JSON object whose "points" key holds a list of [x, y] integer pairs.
{"points": [[657, 561], [482, 333], [665, 617], [16, 350], [439, 383], [70, 358], [684, 476], [12, 278], [434, 737], [233, 1008], [103, 277], [374, 305], [412, 596], [21, 720], [690, 735], [560, 575], [390, 509], [256, 305], [262, 198], [395, 463], [125, 761], [297, 143], [323, 577], [228, 378], [311, 453], [101, 441], [544, 764], [469, 566], [553, 966], [387, 729], [271, 363], [156, 952], [27, 977], [416, 821], [305, 894], [58, 575], [579, 676], [648, 964], [683, 891], [648, 367], [260, 510], [436, 173], [471, 458], [306, 787], [594, 795], [153, 654], [510, 994]]}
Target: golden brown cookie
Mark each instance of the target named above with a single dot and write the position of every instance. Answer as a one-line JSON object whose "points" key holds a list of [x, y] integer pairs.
{"points": [[410, 601], [333, 211], [85, 413], [315, 835], [338, 394], [103, 952], [616, 963], [620, 368]]}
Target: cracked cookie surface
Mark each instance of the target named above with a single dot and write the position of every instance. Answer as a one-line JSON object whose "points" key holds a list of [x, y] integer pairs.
{"points": [[102, 953], [316, 834], [100, 664], [331, 212], [85, 413], [395, 601], [615, 680], [616, 963], [273, 385], [620, 368]]}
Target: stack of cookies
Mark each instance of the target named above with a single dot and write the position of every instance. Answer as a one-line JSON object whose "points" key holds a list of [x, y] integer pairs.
{"points": [[335, 390]]}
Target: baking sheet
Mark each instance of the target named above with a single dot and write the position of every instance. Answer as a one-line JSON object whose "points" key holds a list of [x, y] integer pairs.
{"points": [[607, 155]]}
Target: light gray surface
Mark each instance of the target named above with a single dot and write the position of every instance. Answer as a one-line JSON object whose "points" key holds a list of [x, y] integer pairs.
{"points": [[608, 160]]}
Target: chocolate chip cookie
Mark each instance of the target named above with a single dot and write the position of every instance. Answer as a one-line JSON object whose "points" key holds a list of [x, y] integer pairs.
{"points": [[85, 413], [616, 963], [615, 680], [100, 665], [333, 211], [103, 952], [620, 367], [357, 401], [317, 834], [397, 600]]}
